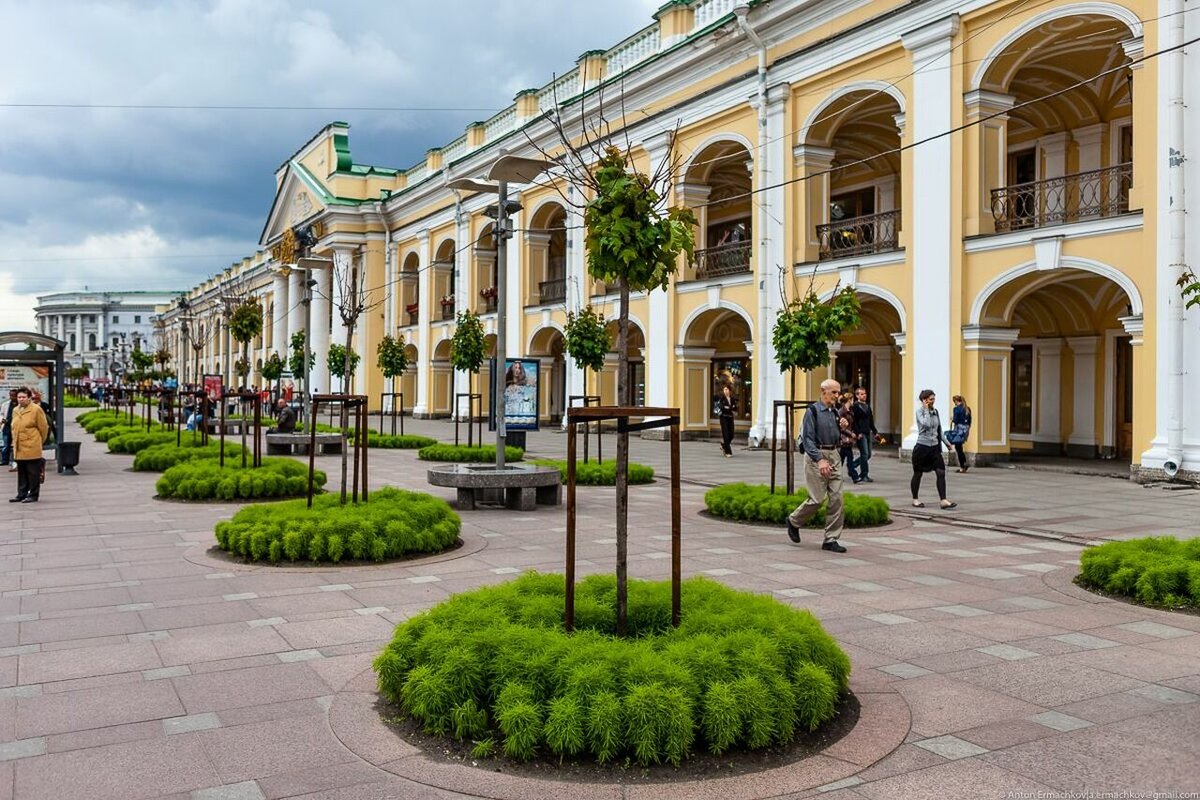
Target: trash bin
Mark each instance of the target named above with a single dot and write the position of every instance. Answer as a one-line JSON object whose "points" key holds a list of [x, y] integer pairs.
{"points": [[515, 439], [68, 457]]}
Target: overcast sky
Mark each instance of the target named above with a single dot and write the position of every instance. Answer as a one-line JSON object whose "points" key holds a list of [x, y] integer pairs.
{"points": [[156, 198]]}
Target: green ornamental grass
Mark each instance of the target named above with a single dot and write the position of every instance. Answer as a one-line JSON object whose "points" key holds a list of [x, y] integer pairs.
{"points": [[755, 503], [599, 474], [495, 665], [407, 441], [392, 524], [463, 454], [71, 401], [161, 457], [1158, 571], [205, 479], [139, 440]]}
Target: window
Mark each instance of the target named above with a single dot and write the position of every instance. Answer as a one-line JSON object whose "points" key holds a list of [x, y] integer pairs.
{"points": [[70, 319], [859, 203], [116, 320], [72, 345], [91, 341], [1021, 401], [735, 373], [137, 320], [91, 319]]}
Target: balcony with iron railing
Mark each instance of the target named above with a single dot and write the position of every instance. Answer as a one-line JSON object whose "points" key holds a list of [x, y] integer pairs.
{"points": [[1081, 196], [723, 260], [856, 236], [488, 296], [552, 291], [447, 310]]}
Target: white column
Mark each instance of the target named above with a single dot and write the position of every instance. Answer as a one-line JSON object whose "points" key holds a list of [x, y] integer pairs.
{"points": [[422, 405], [660, 338], [62, 327], [319, 314], [465, 292], [881, 387], [1047, 378], [343, 259], [294, 311], [80, 345], [279, 322], [391, 287], [1088, 141], [101, 313], [1083, 392], [579, 290], [930, 114], [773, 150], [515, 265]]}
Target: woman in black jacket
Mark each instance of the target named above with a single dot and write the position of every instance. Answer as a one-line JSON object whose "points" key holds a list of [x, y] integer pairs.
{"points": [[725, 408]]}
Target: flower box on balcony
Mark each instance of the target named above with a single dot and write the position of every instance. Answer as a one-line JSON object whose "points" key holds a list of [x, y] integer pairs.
{"points": [[447, 301], [412, 308], [488, 293]]}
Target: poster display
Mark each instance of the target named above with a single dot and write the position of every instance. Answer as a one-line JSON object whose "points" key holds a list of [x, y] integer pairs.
{"points": [[213, 387], [521, 393], [34, 376]]}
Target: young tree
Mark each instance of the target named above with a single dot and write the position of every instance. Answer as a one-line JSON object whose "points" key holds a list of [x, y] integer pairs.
{"points": [[245, 322], [466, 346], [392, 361], [296, 359], [342, 363], [273, 368], [587, 340], [1189, 286]]}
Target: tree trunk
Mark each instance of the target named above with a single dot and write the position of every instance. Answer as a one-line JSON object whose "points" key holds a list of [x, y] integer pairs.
{"points": [[622, 461]]}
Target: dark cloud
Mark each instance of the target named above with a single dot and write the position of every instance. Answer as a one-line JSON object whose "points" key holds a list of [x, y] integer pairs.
{"points": [[124, 198]]}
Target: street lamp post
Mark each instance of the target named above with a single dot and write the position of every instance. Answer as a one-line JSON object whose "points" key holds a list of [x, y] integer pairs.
{"points": [[507, 169]]}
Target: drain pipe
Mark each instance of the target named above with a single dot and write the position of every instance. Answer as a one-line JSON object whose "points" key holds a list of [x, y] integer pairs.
{"points": [[741, 12], [1177, 231]]}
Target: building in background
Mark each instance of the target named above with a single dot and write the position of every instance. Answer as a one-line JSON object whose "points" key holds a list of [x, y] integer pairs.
{"points": [[995, 181], [100, 329]]}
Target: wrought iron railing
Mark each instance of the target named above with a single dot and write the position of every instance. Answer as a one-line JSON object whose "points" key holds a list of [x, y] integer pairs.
{"points": [[553, 291], [1070, 198], [447, 310], [722, 260], [413, 317], [856, 236]]}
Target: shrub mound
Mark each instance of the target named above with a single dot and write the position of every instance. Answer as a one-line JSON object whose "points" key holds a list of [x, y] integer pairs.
{"points": [[139, 440], [393, 524], [742, 670], [593, 474], [71, 401], [161, 457], [755, 502], [205, 479], [407, 441], [462, 453], [1158, 571]]}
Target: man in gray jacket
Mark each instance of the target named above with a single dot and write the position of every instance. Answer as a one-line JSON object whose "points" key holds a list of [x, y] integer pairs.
{"points": [[819, 436]]}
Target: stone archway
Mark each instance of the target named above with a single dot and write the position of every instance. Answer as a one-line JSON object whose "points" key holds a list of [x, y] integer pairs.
{"points": [[547, 345], [1056, 355], [715, 351]]}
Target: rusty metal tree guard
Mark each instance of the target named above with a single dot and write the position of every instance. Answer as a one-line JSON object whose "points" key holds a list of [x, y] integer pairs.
{"points": [[255, 401], [789, 458], [473, 398], [589, 400], [383, 396], [356, 403], [666, 417]]}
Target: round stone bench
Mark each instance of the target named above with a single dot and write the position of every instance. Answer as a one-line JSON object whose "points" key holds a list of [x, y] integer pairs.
{"points": [[519, 486]]}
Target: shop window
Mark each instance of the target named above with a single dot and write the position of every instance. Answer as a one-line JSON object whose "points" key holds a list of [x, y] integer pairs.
{"points": [[1021, 402], [735, 373]]}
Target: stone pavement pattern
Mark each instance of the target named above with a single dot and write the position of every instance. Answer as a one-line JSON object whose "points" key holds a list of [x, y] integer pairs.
{"points": [[133, 665]]}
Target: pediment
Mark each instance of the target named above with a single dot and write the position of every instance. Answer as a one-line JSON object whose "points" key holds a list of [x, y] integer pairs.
{"points": [[300, 198]]}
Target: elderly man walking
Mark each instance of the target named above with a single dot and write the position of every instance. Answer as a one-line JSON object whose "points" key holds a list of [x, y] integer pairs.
{"points": [[29, 432], [819, 437]]}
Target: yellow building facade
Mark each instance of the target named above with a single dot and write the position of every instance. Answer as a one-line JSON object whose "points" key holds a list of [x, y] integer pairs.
{"points": [[1002, 183]]}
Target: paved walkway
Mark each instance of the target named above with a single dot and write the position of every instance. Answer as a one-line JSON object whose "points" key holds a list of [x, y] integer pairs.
{"points": [[132, 664]]}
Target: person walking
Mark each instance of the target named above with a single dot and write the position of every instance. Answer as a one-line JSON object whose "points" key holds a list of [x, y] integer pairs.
{"points": [[725, 409], [960, 430], [8, 416], [30, 429], [847, 438], [927, 453], [864, 426], [819, 438]]}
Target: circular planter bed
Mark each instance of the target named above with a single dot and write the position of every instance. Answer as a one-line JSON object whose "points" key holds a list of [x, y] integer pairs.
{"points": [[1161, 571], [205, 479], [393, 524], [495, 667], [463, 454], [161, 457], [592, 473], [755, 503]]}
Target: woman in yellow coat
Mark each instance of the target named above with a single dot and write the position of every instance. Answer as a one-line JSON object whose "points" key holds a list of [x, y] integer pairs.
{"points": [[29, 432]]}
